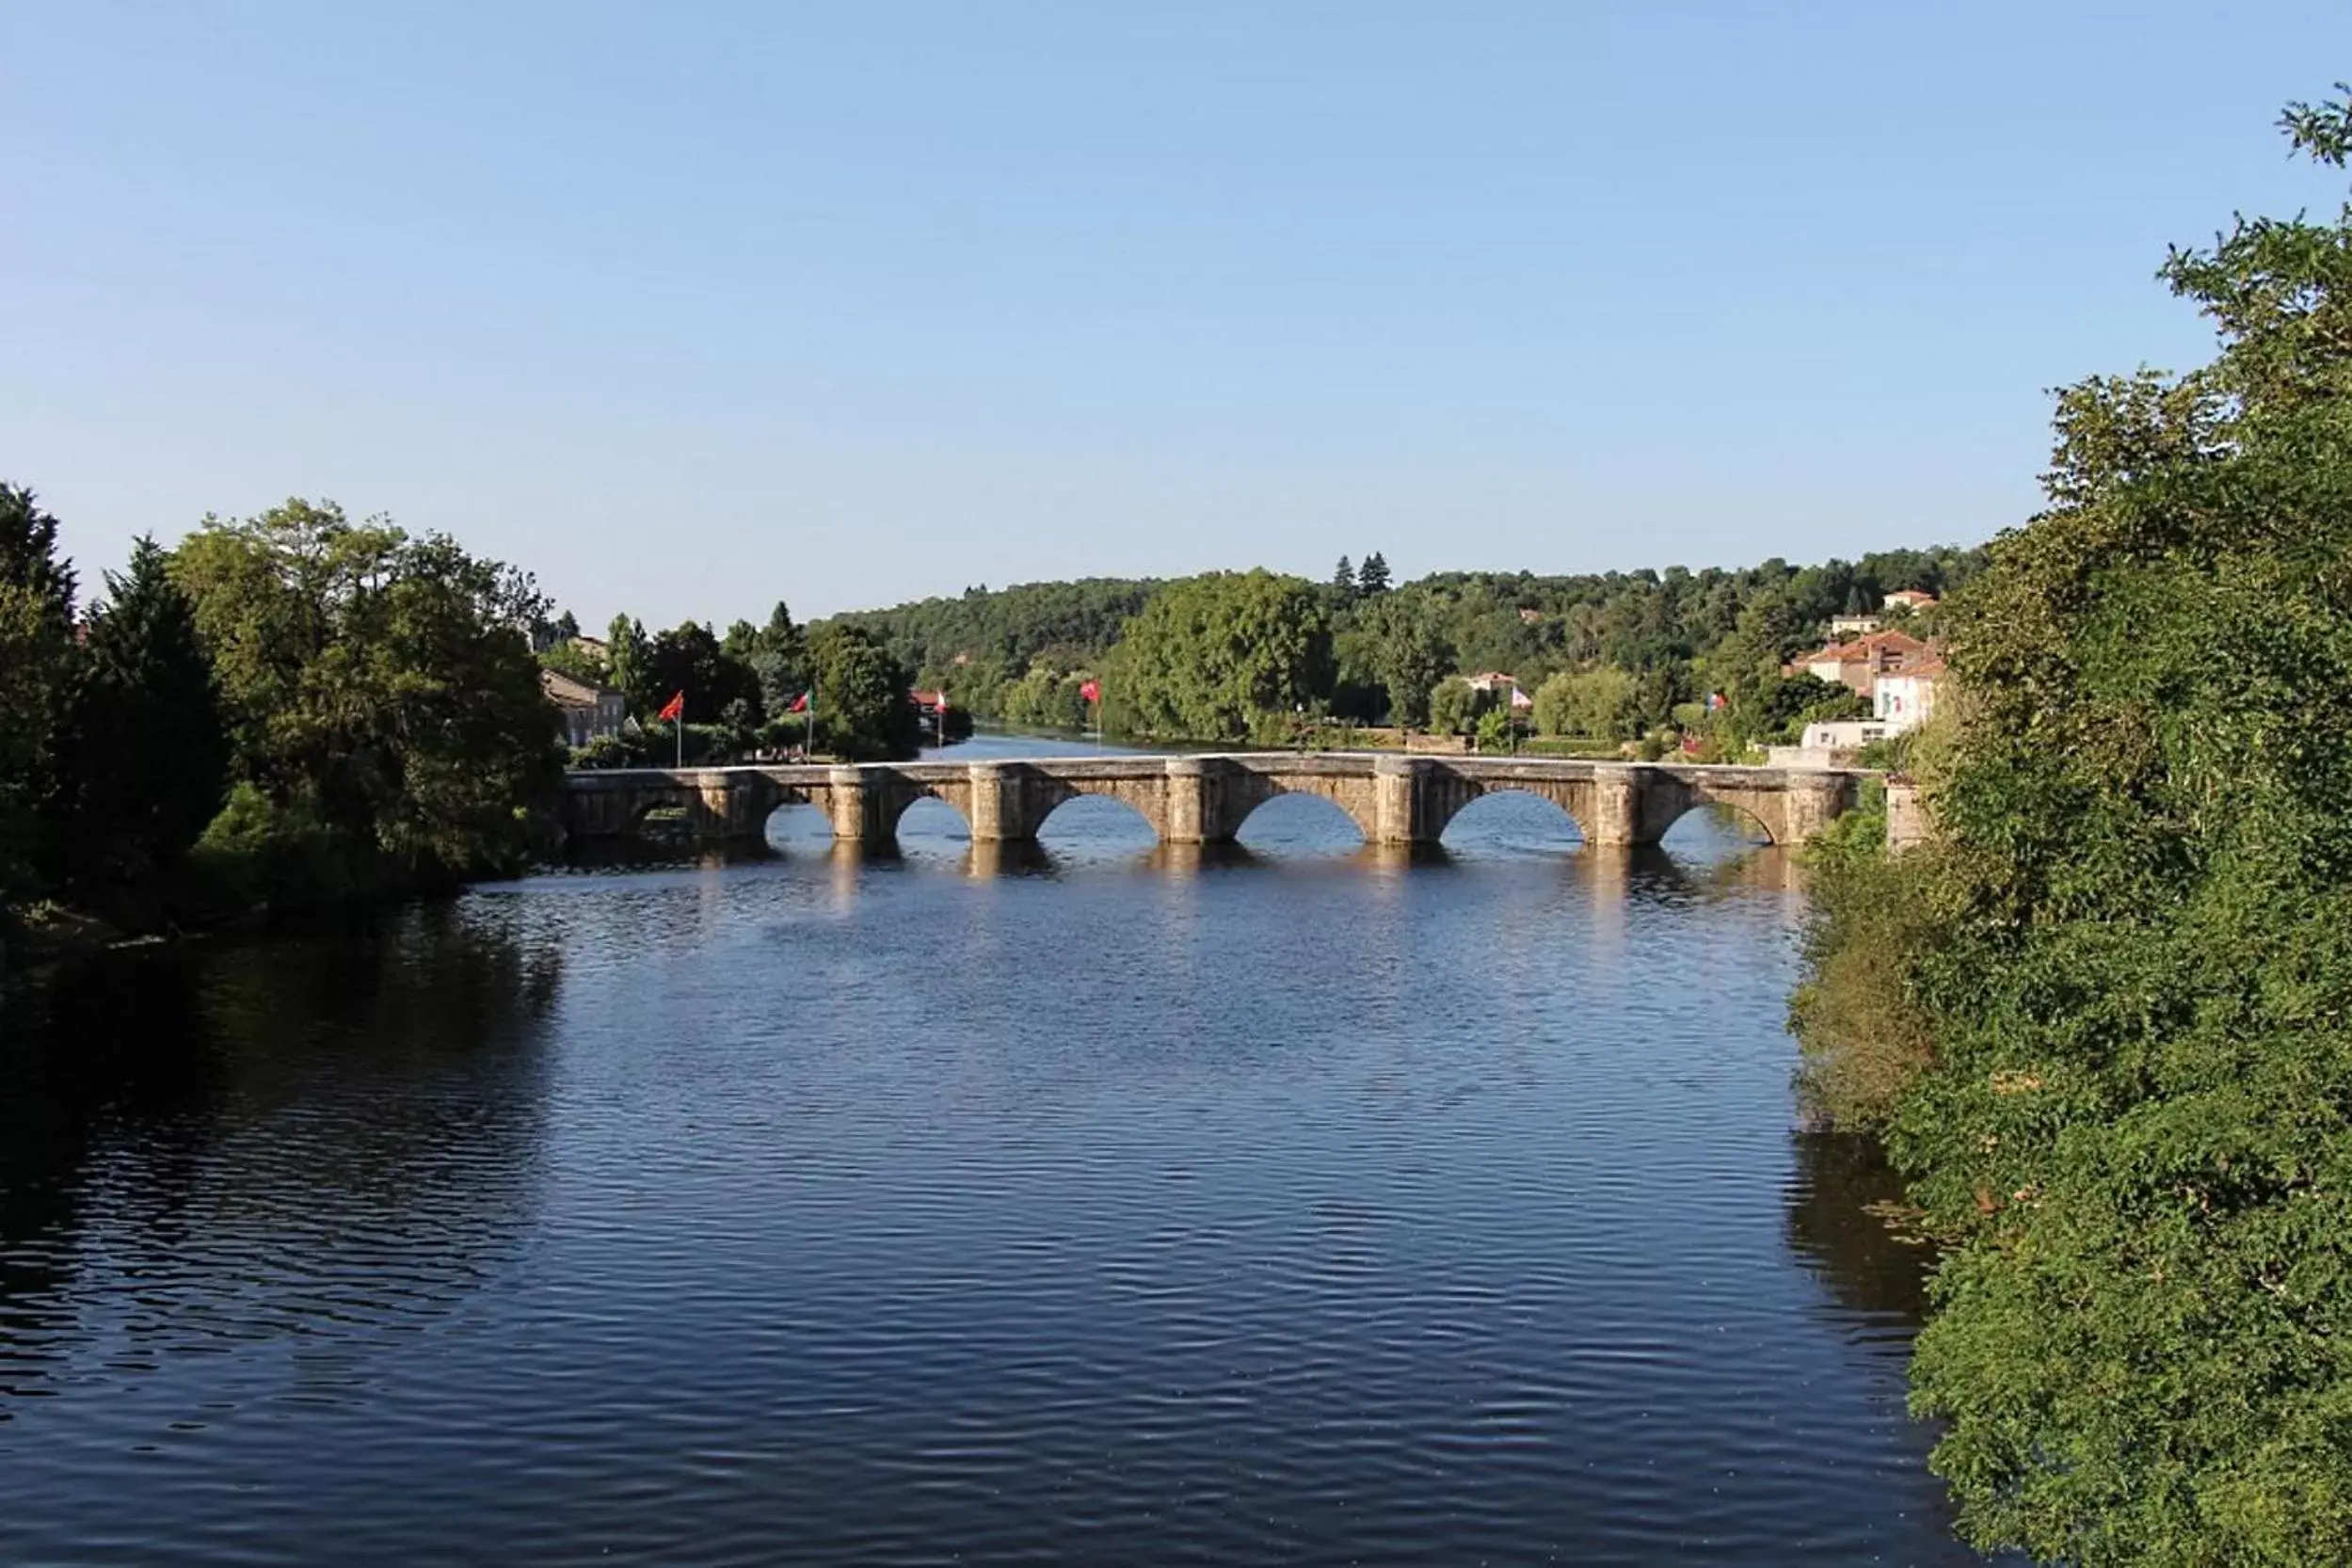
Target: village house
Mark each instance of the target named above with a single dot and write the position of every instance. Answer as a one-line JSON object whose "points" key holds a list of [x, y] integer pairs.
{"points": [[1505, 687], [1858, 663], [1905, 699], [1897, 671], [1828, 744], [1910, 599], [1851, 626], [589, 710]]}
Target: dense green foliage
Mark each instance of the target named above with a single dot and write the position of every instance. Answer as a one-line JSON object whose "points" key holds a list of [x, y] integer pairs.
{"points": [[1215, 657], [980, 648], [863, 710], [141, 752], [778, 656], [1020, 655], [36, 661], [2127, 1094], [287, 710], [747, 691], [383, 705]]}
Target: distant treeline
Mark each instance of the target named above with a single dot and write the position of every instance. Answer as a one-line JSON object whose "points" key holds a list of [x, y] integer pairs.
{"points": [[1232, 655], [1620, 657]]}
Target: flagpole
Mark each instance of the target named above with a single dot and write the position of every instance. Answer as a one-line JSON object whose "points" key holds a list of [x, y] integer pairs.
{"points": [[682, 731]]}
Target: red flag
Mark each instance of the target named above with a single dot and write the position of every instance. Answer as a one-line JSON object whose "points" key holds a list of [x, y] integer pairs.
{"points": [[799, 704], [674, 709], [1089, 691]]}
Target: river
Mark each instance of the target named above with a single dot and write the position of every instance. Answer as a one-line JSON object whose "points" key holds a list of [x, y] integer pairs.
{"points": [[1102, 1205]]}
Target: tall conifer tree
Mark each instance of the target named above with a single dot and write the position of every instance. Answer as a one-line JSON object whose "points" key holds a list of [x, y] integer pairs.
{"points": [[36, 655], [142, 754]]}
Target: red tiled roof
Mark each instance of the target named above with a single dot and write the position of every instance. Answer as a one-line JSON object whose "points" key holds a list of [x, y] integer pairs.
{"points": [[1859, 649]]}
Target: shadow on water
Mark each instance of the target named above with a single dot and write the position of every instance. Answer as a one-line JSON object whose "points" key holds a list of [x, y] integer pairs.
{"points": [[1838, 1206], [108, 1046], [311, 1116], [1841, 1219]]}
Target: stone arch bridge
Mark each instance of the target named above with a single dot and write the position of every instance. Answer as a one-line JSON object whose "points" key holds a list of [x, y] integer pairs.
{"points": [[1391, 799]]}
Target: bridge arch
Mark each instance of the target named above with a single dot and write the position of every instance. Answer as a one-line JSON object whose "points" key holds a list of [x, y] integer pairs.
{"points": [[1563, 806], [1741, 813], [1115, 811], [682, 799], [789, 818], [1330, 807], [1672, 799], [930, 819]]}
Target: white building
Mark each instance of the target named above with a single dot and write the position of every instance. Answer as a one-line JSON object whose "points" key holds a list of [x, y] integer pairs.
{"points": [[1905, 699], [1826, 743]]}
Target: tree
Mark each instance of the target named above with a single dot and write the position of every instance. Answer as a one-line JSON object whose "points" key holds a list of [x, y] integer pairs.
{"points": [[1372, 580], [1047, 699], [779, 661], [382, 702], [142, 754], [687, 658], [570, 657], [1455, 705], [865, 710], [630, 661], [983, 641], [1409, 655], [36, 656], [1212, 657], [1343, 581], [2130, 1108], [1602, 703], [27, 698]]}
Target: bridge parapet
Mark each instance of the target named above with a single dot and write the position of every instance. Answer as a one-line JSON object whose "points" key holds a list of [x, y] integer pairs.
{"points": [[1392, 799]]}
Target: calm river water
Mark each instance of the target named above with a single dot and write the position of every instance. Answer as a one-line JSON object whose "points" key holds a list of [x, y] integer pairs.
{"points": [[1105, 1204]]}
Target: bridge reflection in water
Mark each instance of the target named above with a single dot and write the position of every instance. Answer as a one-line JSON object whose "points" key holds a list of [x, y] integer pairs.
{"points": [[1393, 801]]}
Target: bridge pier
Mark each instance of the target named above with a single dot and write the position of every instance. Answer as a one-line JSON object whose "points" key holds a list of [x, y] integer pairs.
{"points": [[1620, 813], [1400, 787], [856, 811], [1190, 814], [1810, 803], [995, 813]]}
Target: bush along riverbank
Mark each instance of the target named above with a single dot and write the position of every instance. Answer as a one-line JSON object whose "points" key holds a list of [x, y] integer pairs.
{"points": [[2099, 1021]]}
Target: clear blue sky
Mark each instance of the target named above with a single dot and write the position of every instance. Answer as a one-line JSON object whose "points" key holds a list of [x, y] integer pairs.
{"points": [[689, 308]]}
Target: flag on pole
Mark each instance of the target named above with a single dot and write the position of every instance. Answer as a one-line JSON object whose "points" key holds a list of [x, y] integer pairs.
{"points": [[1089, 691], [674, 709], [799, 704]]}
